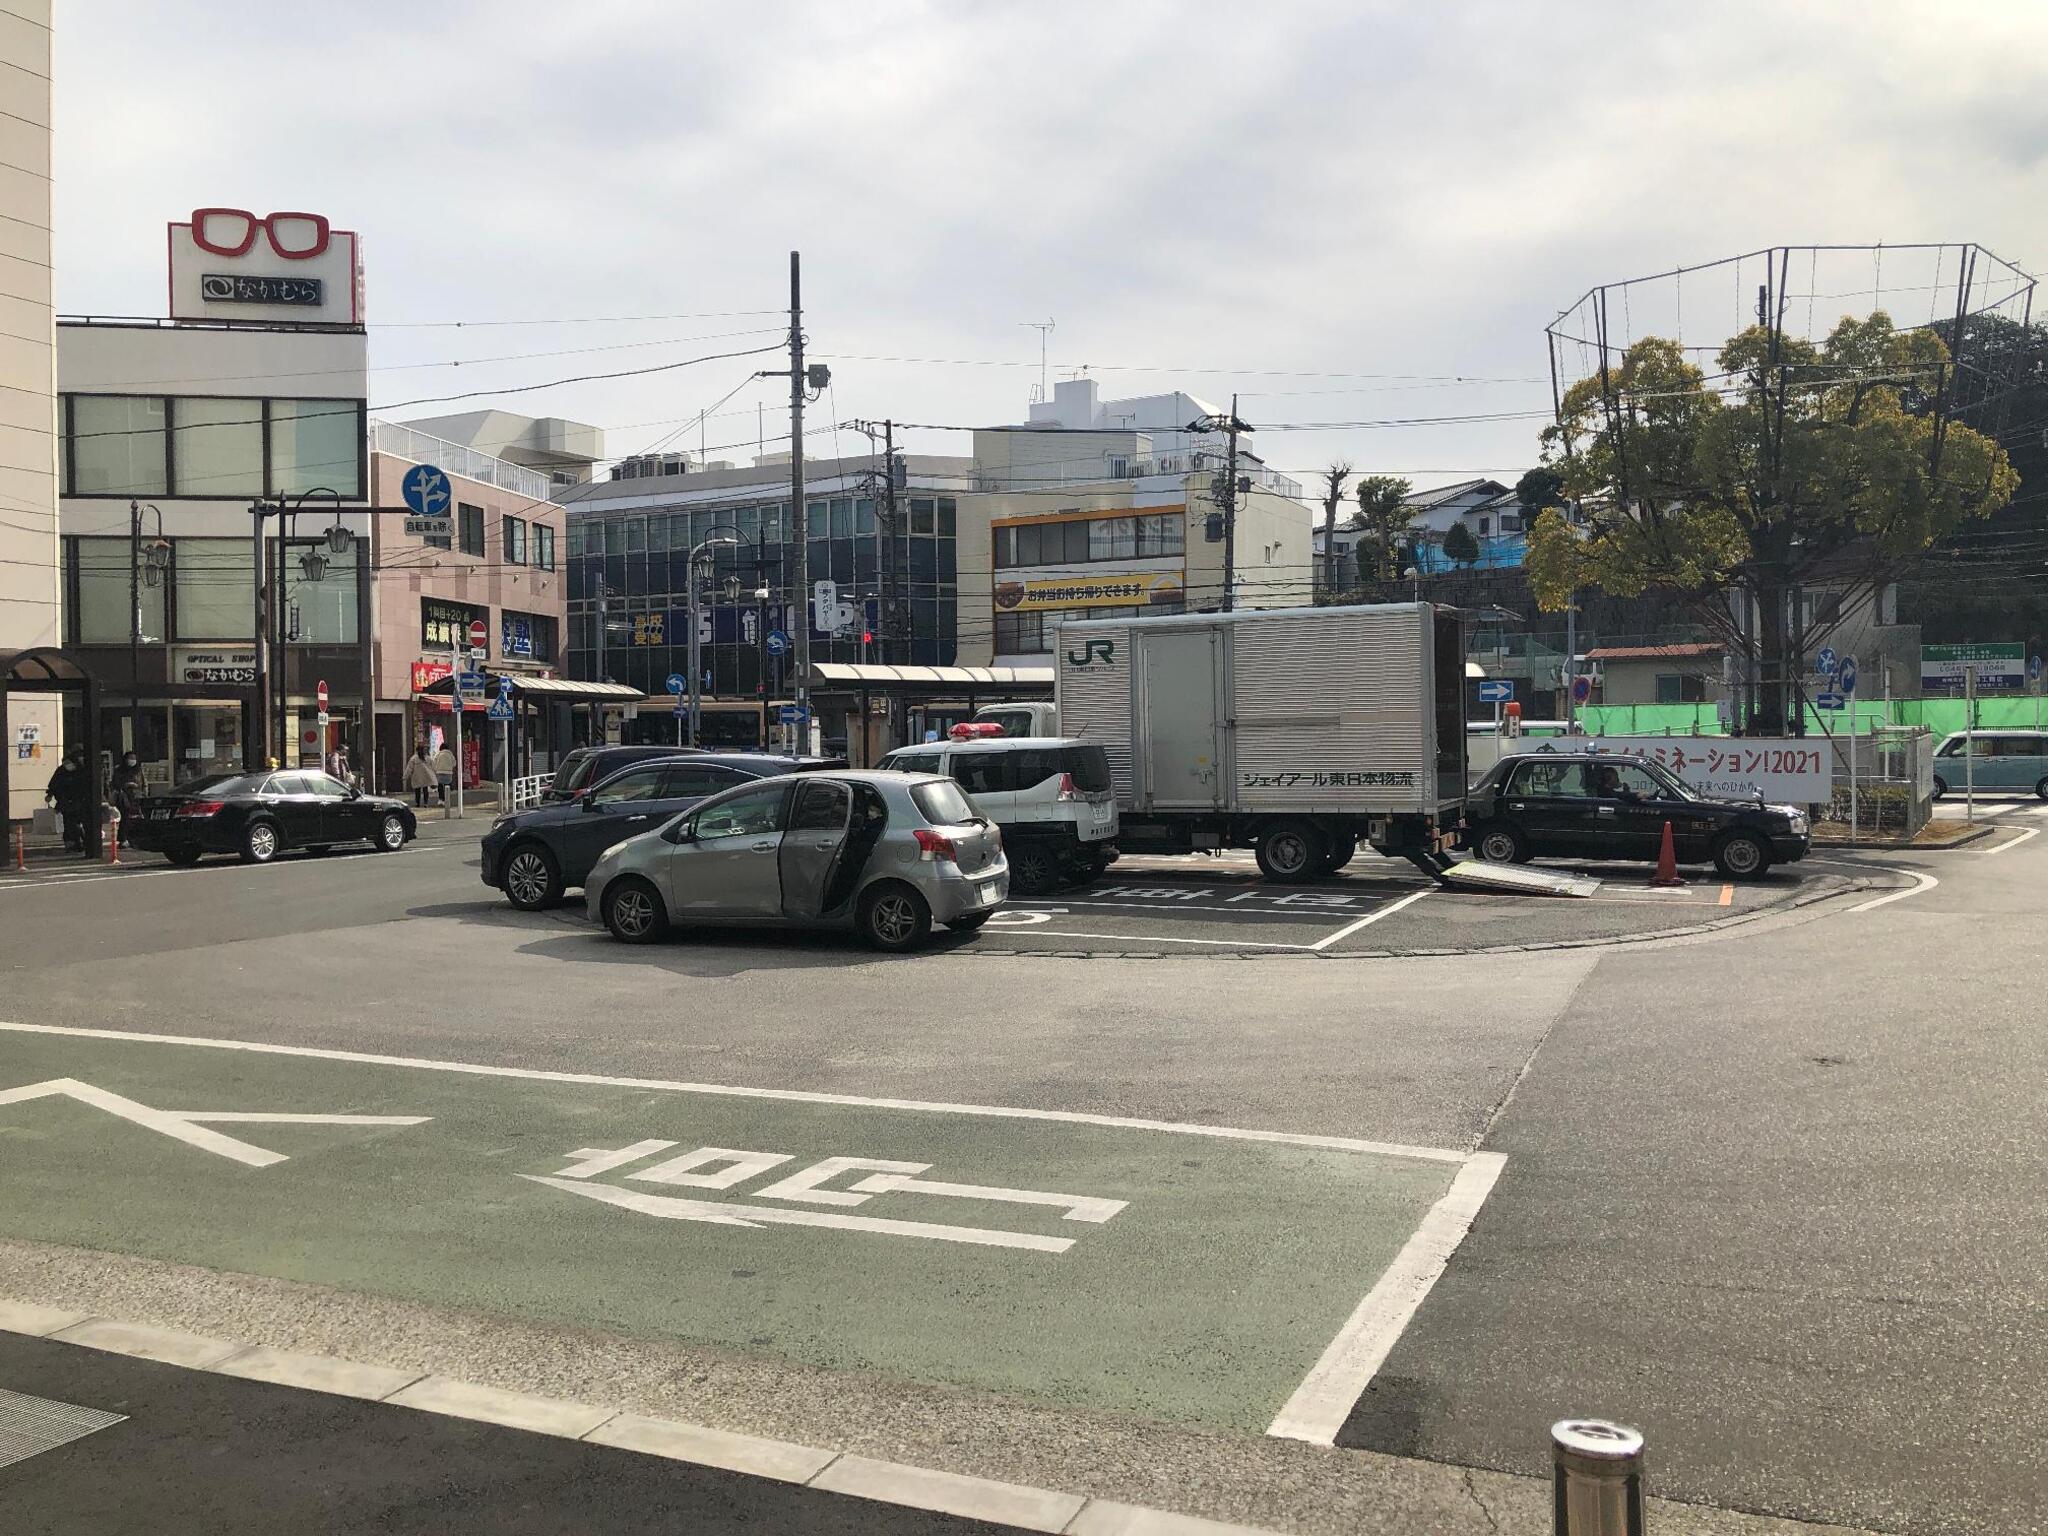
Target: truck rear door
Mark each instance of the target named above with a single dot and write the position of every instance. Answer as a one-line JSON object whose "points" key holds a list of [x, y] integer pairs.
{"points": [[1183, 747], [1449, 669]]}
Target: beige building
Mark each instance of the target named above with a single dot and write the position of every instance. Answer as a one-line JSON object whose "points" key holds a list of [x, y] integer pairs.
{"points": [[29, 585], [1103, 508]]}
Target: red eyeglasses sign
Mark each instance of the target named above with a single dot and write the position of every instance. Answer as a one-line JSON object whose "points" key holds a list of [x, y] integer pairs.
{"points": [[232, 263]]}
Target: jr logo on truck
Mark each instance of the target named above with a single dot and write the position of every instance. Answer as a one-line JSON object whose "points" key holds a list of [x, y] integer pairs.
{"points": [[1093, 651]]}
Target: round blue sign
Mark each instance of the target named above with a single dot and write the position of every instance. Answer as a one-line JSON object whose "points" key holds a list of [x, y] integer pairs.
{"points": [[778, 643], [1824, 663], [1845, 675], [677, 682], [426, 491]]}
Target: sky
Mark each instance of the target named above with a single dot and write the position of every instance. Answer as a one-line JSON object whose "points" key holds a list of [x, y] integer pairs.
{"points": [[1350, 214]]}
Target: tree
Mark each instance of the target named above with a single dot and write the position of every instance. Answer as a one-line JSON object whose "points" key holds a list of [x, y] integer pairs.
{"points": [[1382, 513], [1333, 494], [1802, 461], [1459, 546], [1539, 488]]}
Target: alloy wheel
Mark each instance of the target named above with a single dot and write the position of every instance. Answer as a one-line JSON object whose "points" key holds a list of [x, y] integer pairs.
{"points": [[526, 878], [393, 832], [632, 912], [895, 919], [262, 842]]}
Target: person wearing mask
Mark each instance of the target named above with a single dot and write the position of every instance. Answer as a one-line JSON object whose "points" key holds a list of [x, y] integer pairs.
{"points": [[127, 789], [337, 764], [444, 771], [420, 777], [70, 790]]}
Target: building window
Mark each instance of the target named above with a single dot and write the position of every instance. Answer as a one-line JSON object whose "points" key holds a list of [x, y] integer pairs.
{"points": [[214, 583], [444, 626], [316, 445], [544, 546], [515, 540], [471, 528], [922, 515], [1510, 522], [1485, 526], [1681, 688], [216, 447], [319, 612], [117, 446], [526, 636], [102, 614], [1020, 634]]}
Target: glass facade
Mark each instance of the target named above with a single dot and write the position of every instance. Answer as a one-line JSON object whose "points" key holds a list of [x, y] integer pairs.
{"points": [[200, 446], [903, 586], [205, 594]]}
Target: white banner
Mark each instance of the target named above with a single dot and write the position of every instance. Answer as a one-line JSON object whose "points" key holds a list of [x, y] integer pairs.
{"points": [[1787, 769]]}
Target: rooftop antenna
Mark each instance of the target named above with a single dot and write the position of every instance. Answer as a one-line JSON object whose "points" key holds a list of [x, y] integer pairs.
{"points": [[1044, 329]]}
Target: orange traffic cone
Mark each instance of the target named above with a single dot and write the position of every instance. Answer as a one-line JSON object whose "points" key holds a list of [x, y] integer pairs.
{"points": [[1667, 862]]}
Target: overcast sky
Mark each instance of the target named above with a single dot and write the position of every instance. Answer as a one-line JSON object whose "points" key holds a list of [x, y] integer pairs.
{"points": [[1349, 212]]}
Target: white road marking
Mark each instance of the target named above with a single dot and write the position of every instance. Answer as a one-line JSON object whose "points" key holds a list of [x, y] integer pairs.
{"points": [[186, 1126], [1922, 882], [726, 1090], [41, 880], [724, 1214], [1323, 1401], [1144, 938], [1372, 917], [2030, 832], [1181, 906]]}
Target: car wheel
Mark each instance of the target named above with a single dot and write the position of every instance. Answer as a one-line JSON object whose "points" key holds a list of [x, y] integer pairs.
{"points": [[390, 834], [894, 917], [1502, 844], [1290, 852], [633, 913], [1940, 787], [2041, 789], [260, 842], [1741, 856], [532, 878], [969, 923], [184, 857], [1342, 852], [1033, 869]]}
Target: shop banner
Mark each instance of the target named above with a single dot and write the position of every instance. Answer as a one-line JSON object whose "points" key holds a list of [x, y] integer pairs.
{"points": [[427, 673], [213, 664], [1789, 770], [1115, 589]]}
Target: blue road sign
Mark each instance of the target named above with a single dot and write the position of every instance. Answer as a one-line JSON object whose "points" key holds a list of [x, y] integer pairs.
{"points": [[501, 708], [1824, 663], [792, 714], [504, 687], [427, 492], [471, 682], [1846, 675], [1582, 689], [2034, 668], [1828, 701], [682, 707], [1497, 691], [778, 643], [677, 683]]}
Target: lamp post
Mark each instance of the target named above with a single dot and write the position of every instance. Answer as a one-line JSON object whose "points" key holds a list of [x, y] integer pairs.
{"points": [[157, 559], [718, 536], [312, 567]]}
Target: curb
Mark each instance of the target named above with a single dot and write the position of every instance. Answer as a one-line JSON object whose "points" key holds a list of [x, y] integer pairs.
{"points": [[829, 1471]]}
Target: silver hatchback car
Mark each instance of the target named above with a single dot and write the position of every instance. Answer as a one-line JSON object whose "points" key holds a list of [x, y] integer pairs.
{"points": [[888, 853]]}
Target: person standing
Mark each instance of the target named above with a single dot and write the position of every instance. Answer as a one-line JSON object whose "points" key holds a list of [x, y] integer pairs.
{"points": [[444, 771], [127, 788], [337, 764], [70, 790], [419, 775]]}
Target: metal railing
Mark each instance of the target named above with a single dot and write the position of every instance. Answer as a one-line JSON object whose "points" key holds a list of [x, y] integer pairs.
{"points": [[1884, 782], [527, 791], [401, 441]]}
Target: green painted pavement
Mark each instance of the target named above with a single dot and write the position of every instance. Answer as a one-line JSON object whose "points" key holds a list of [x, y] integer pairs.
{"points": [[1206, 1296]]}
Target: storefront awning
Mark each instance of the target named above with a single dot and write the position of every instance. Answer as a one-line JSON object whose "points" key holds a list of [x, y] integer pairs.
{"points": [[842, 674], [549, 689]]}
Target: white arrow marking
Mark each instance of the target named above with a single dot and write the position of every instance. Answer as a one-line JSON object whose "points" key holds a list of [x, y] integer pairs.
{"points": [[185, 1125], [732, 1215]]}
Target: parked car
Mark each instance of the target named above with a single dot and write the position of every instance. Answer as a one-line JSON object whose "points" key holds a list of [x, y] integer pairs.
{"points": [[534, 855], [1600, 805], [260, 815], [888, 854], [1050, 795], [2000, 761], [582, 767]]}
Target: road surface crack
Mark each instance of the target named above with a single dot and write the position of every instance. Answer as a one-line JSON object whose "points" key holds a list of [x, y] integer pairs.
{"points": [[1472, 1493]]}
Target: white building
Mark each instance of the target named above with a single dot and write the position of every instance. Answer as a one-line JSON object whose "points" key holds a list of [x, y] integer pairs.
{"points": [[565, 451]]}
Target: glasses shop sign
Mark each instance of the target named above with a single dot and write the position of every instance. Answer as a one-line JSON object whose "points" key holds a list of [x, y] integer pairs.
{"points": [[231, 264]]}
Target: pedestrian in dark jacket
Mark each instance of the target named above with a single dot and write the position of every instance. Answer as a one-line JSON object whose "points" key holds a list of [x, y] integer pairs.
{"points": [[70, 790], [128, 789]]}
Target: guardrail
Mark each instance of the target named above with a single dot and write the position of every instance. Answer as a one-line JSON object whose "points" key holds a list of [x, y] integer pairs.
{"points": [[526, 792]]}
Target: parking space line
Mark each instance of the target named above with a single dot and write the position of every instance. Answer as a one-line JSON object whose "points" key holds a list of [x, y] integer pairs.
{"points": [[1372, 917], [1323, 1401], [736, 1091], [1170, 905], [2030, 832], [1146, 938]]}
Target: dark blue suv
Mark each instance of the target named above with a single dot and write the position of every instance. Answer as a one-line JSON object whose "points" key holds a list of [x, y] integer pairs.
{"points": [[534, 855]]}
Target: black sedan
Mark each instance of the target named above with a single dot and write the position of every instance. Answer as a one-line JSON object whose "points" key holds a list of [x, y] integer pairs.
{"points": [[259, 815], [1597, 805], [535, 855]]}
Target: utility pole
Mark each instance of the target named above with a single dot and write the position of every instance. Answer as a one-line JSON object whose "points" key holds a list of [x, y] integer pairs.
{"points": [[801, 532], [1226, 495]]}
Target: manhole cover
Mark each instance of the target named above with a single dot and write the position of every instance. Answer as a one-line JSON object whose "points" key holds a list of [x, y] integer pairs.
{"points": [[31, 1425]]}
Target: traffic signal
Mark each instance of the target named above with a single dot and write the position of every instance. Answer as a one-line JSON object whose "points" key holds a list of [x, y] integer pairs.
{"points": [[867, 637]]}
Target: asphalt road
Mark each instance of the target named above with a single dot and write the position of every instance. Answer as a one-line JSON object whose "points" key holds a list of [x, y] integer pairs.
{"points": [[1770, 1191]]}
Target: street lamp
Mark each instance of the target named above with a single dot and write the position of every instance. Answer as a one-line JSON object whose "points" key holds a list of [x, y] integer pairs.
{"points": [[721, 536], [144, 562]]}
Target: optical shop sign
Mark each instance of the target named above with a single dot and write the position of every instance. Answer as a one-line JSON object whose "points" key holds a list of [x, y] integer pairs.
{"points": [[1790, 770], [235, 264]]}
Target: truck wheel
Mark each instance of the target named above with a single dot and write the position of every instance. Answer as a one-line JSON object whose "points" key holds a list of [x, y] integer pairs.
{"points": [[1741, 856], [1502, 844], [1290, 852], [1342, 851]]}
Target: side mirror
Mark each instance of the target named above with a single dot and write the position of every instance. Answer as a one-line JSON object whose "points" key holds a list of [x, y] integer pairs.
{"points": [[354, 793], [679, 832], [590, 803]]}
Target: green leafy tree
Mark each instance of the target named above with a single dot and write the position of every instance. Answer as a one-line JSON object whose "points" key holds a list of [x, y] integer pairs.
{"points": [[1539, 488], [1459, 546], [1382, 514], [1800, 461], [1333, 497]]}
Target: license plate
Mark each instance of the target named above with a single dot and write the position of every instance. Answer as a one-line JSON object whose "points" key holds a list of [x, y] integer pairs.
{"points": [[988, 893], [161, 813]]}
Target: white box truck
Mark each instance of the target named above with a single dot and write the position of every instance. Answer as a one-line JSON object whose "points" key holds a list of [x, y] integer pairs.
{"points": [[1297, 732]]}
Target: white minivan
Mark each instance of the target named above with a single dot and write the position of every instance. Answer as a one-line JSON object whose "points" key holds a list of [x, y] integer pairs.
{"points": [[1050, 795]]}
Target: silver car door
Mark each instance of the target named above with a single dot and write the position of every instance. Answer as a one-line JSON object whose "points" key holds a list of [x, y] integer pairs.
{"points": [[813, 845], [726, 867]]}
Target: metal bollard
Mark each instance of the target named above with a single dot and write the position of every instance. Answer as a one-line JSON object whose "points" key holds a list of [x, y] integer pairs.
{"points": [[1596, 1478]]}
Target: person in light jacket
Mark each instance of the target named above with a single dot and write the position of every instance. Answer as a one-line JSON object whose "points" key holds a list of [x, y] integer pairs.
{"points": [[444, 771], [419, 775]]}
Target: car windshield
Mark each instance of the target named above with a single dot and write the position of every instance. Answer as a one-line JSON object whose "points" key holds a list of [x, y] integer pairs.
{"points": [[574, 772], [1670, 783], [943, 803]]}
